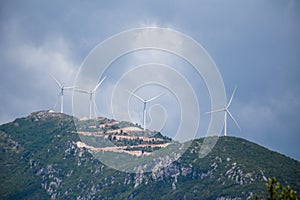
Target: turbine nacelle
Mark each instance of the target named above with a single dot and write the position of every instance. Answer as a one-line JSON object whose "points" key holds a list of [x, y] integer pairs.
{"points": [[144, 101], [227, 112], [91, 94], [61, 93]]}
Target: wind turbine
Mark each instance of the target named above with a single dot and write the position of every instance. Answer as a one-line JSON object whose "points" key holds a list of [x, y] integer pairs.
{"points": [[144, 101], [225, 109], [61, 93], [91, 93]]}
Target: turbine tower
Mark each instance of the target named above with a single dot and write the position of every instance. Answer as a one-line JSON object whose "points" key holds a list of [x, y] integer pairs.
{"points": [[227, 112], [144, 101], [91, 93], [61, 93]]}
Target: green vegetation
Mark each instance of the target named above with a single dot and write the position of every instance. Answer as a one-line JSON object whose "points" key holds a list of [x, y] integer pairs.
{"points": [[39, 159], [159, 135], [143, 149], [275, 191]]}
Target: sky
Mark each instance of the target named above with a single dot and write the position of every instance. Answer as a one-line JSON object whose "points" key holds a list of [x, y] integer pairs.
{"points": [[255, 45]]}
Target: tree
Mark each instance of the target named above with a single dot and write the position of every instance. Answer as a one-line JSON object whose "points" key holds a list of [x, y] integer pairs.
{"points": [[275, 191], [109, 137]]}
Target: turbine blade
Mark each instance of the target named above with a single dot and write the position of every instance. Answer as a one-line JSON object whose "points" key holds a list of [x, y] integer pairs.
{"points": [[69, 88], [96, 87], [57, 82], [229, 103], [214, 111], [236, 123], [100, 82], [82, 91], [152, 99], [142, 100], [56, 101]]}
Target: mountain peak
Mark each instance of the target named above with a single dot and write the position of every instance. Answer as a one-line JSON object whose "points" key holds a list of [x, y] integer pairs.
{"points": [[46, 114], [43, 156]]}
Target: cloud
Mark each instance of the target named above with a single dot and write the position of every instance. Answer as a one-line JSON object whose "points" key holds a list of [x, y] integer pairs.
{"points": [[26, 85], [272, 122]]}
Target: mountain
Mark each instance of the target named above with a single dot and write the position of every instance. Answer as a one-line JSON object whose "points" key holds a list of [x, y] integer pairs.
{"points": [[43, 156]]}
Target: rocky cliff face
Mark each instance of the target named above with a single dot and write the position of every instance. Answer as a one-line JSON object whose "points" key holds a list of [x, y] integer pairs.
{"points": [[41, 158]]}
